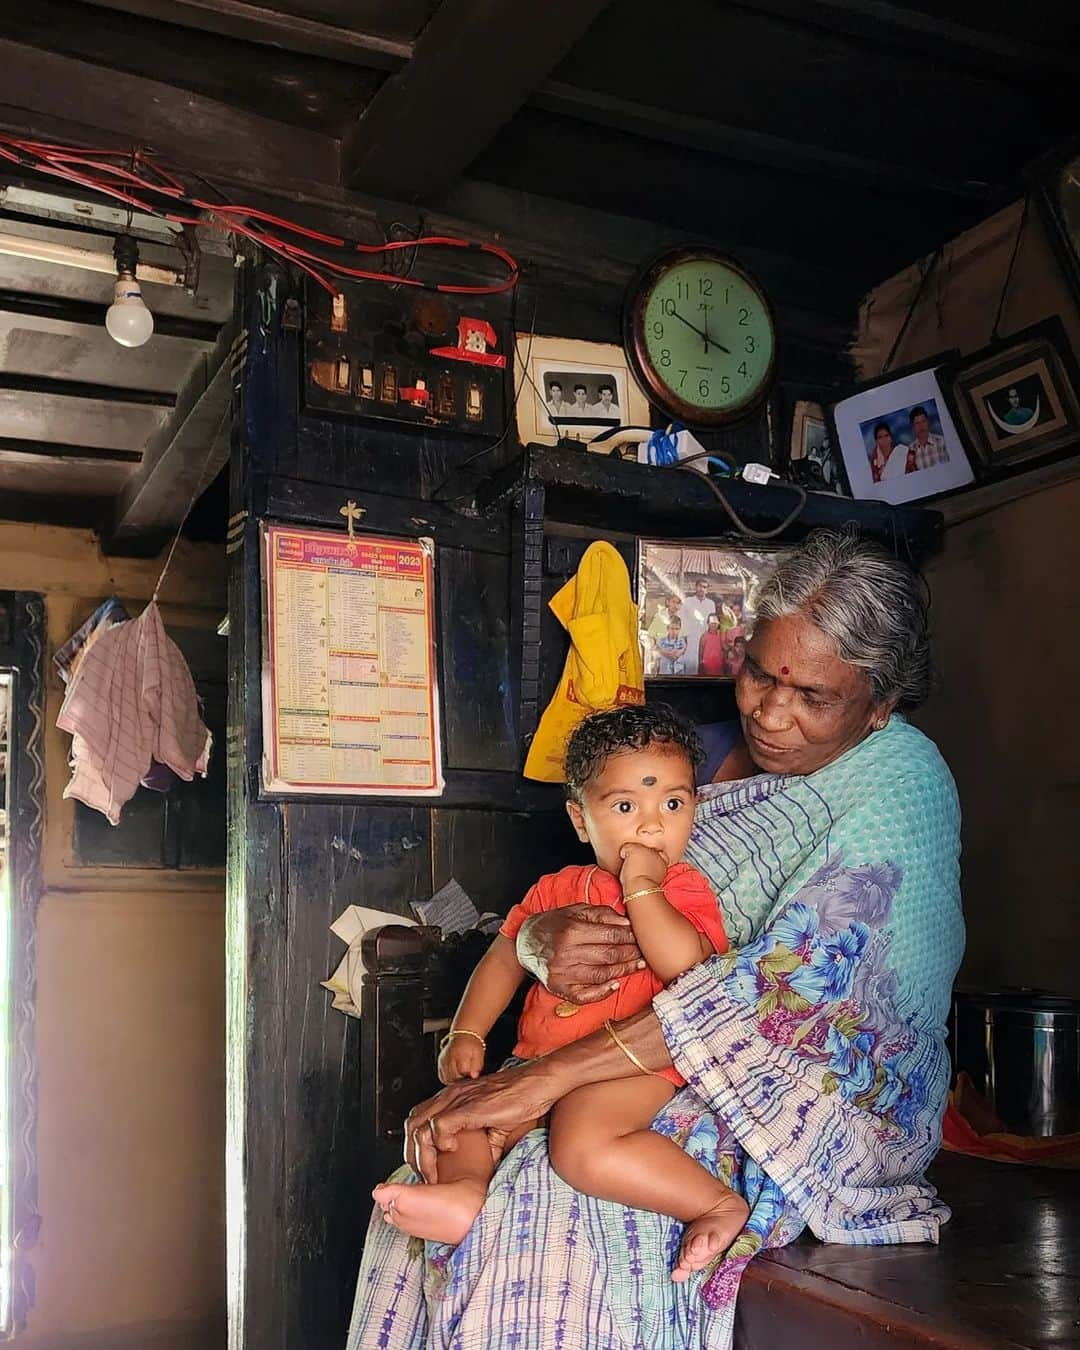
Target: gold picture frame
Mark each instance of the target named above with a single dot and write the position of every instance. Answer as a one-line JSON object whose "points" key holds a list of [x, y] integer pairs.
{"points": [[549, 415]]}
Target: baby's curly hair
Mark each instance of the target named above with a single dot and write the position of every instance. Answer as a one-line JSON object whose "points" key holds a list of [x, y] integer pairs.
{"points": [[615, 730]]}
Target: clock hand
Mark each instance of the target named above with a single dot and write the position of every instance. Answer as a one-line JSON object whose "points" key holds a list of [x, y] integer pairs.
{"points": [[714, 342], [693, 328], [701, 334]]}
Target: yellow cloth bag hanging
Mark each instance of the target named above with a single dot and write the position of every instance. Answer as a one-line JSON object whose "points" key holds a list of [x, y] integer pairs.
{"points": [[603, 667]]}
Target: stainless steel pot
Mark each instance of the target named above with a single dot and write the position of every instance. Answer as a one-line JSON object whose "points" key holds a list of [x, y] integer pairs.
{"points": [[1022, 1050]]}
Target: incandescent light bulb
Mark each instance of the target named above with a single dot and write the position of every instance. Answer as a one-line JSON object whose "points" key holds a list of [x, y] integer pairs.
{"points": [[127, 319]]}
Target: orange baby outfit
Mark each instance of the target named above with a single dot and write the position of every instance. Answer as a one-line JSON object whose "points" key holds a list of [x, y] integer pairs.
{"points": [[540, 1031]]}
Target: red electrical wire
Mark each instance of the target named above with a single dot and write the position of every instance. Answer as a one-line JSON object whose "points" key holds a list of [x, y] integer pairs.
{"points": [[92, 169]]}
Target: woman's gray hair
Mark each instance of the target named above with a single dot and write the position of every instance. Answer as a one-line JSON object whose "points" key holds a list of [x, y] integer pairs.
{"points": [[872, 606]]}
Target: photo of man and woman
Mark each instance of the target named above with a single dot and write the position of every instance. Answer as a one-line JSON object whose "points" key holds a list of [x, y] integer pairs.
{"points": [[899, 441], [905, 441], [696, 607]]}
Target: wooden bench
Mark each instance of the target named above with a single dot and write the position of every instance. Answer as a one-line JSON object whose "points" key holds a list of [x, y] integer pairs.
{"points": [[1005, 1274]]}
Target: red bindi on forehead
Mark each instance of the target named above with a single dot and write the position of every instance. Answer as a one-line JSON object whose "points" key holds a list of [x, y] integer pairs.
{"points": [[785, 670]]}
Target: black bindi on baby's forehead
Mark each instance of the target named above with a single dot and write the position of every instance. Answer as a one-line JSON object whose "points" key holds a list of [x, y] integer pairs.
{"points": [[650, 781]]}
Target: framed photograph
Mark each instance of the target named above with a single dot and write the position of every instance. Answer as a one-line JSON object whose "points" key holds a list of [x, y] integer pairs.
{"points": [[1055, 185], [696, 606], [803, 448], [574, 390], [898, 438], [1020, 398]]}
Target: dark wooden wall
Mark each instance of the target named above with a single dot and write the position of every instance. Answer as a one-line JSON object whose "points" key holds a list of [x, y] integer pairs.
{"points": [[299, 1164]]}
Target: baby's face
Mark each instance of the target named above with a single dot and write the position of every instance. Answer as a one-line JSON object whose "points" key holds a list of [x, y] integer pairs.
{"points": [[639, 797]]}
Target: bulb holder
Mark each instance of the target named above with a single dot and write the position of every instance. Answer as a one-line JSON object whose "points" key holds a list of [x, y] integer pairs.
{"points": [[126, 253]]}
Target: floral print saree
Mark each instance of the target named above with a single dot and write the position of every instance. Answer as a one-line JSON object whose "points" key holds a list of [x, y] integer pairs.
{"points": [[814, 1053]]}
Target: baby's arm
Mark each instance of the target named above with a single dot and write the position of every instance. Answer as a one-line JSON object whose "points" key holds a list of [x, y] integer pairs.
{"points": [[669, 942], [490, 988]]}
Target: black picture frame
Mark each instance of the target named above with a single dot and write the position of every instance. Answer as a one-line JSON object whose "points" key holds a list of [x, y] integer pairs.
{"points": [[1060, 212], [732, 573], [812, 472], [1038, 364], [942, 364]]}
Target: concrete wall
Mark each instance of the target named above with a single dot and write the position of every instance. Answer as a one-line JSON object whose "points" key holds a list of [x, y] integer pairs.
{"points": [[1006, 606], [130, 1027]]}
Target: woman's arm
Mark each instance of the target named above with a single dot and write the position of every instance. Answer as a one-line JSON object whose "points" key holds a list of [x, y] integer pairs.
{"points": [[503, 1100]]}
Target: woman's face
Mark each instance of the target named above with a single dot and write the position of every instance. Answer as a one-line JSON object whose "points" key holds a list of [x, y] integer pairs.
{"points": [[811, 705]]}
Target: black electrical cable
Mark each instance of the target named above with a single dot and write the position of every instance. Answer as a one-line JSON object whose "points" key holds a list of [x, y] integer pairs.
{"points": [[511, 415], [736, 519]]}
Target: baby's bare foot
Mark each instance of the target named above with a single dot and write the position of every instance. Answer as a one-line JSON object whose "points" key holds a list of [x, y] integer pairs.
{"points": [[712, 1233], [442, 1212]]}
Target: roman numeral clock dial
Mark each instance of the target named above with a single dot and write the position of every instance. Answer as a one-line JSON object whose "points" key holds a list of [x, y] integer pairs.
{"points": [[700, 337]]}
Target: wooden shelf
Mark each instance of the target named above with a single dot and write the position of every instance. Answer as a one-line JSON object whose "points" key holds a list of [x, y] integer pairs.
{"points": [[603, 492], [552, 489]]}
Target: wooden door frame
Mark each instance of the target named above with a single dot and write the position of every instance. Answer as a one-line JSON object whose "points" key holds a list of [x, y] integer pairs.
{"points": [[22, 650]]}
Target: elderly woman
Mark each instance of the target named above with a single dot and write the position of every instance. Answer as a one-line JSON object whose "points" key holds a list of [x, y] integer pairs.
{"points": [[814, 1052]]}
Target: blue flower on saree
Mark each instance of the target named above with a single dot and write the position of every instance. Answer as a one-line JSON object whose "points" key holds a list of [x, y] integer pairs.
{"points": [[849, 1060], [745, 983], [864, 894], [913, 1101], [892, 1086], [828, 974], [795, 927]]}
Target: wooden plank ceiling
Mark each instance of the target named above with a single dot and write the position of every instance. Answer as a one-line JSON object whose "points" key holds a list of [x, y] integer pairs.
{"points": [[845, 137]]}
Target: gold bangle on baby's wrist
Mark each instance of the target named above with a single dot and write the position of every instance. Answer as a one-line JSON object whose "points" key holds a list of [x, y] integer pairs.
{"points": [[648, 890], [461, 1031], [626, 1049]]}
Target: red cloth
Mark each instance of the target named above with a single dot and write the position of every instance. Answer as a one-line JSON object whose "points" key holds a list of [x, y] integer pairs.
{"points": [[711, 654], [540, 1031], [970, 1126]]}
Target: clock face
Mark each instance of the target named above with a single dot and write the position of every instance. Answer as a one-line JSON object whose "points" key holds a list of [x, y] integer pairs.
{"points": [[700, 336]]}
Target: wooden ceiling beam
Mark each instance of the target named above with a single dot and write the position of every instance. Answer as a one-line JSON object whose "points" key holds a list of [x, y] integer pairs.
{"points": [[62, 96], [55, 508], [747, 146], [181, 462], [272, 28], [944, 41], [473, 66]]}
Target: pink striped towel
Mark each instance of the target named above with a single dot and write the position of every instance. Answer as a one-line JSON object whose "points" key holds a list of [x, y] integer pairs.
{"points": [[132, 700]]}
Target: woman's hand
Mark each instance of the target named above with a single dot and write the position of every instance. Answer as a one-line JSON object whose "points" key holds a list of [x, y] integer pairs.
{"points": [[461, 1057], [579, 951], [496, 1104]]}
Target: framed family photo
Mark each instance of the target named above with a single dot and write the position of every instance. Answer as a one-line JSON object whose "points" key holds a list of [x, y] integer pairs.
{"points": [[898, 437], [574, 390], [803, 447], [696, 606], [1019, 399]]}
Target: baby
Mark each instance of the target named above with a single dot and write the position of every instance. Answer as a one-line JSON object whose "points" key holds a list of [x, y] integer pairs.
{"points": [[630, 790]]}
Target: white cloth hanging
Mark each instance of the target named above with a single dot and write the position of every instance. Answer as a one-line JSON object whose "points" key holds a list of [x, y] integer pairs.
{"points": [[132, 700]]}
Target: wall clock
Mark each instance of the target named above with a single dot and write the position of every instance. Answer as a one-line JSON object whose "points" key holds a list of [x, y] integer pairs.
{"points": [[700, 336]]}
